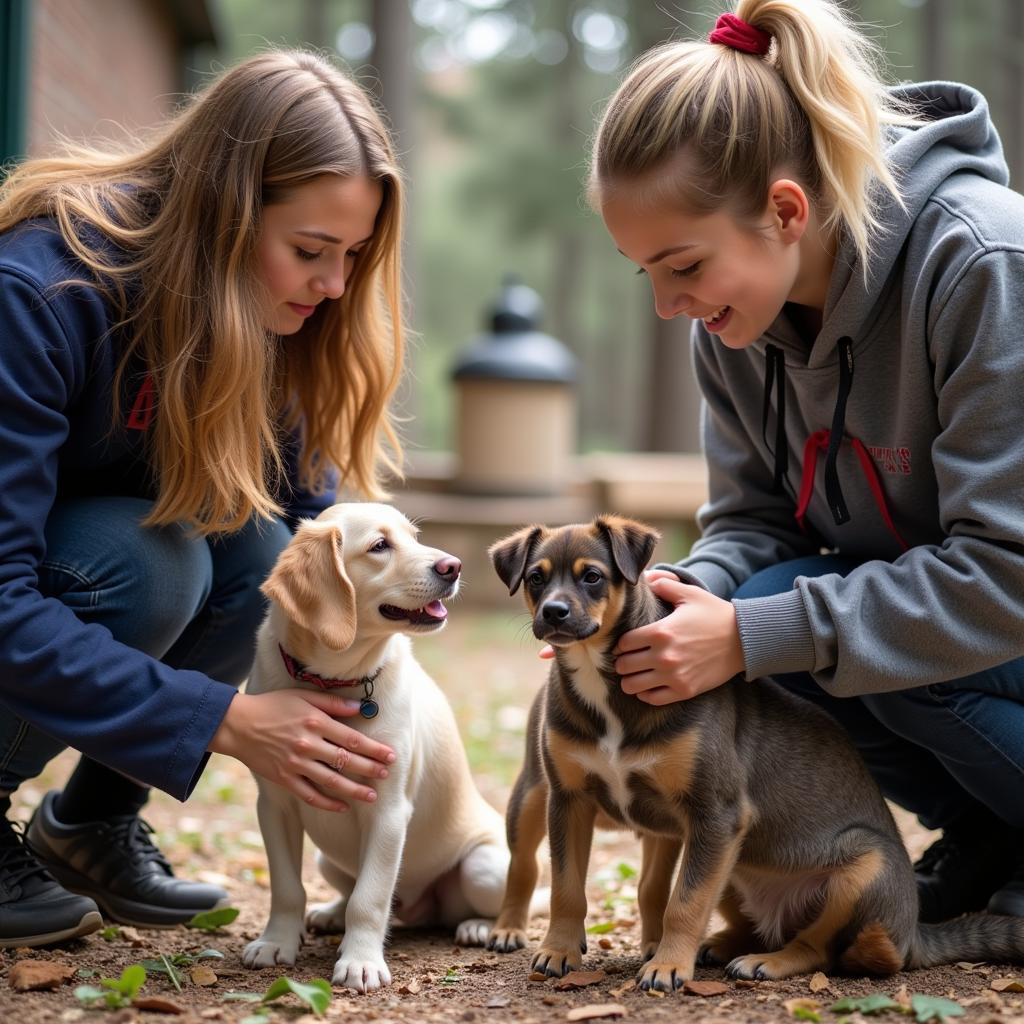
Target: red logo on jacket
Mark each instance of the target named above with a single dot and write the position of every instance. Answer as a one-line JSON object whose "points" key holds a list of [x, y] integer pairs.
{"points": [[891, 460], [143, 407]]}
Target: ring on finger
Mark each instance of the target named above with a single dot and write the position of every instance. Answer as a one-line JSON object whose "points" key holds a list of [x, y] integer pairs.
{"points": [[341, 759]]}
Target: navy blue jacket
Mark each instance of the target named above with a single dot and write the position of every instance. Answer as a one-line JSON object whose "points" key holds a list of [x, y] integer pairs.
{"points": [[70, 679]]}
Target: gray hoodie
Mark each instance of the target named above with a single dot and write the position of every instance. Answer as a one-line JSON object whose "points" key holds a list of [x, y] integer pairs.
{"points": [[935, 339]]}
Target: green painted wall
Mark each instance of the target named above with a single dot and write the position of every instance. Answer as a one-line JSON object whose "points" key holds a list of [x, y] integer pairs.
{"points": [[14, 36]]}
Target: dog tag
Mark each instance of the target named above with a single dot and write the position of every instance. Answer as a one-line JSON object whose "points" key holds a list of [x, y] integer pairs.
{"points": [[368, 708]]}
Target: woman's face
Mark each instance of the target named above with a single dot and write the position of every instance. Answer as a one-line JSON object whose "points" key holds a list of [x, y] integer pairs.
{"points": [[309, 243], [709, 267]]}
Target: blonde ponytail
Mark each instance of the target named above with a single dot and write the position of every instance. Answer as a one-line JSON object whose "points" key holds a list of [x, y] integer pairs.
{"points": [[813, 105]]}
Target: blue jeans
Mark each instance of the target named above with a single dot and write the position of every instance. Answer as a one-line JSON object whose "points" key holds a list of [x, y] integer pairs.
{"points": [[188, 601], [945, 752]]}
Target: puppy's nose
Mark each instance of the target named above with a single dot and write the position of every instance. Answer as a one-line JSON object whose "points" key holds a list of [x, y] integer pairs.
{"points": [[448, 567], [555, 611]]}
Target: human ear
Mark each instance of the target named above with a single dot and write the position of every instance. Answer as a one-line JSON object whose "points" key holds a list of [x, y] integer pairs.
{"points": [[789, 209]]}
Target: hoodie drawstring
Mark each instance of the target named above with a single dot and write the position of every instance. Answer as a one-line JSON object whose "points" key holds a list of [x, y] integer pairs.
{"points": [[775, 373], [828, 441], [833, 490]]}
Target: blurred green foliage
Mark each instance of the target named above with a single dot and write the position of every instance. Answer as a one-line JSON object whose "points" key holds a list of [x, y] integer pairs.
{"points": [[497, 150]]}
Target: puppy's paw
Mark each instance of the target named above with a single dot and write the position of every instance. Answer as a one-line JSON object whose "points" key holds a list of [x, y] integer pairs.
{"points": [[649, 949], [663, 976], [364, 974], [766, 967], [266, 952], [327, 918], [473, 932], [506, 940], [722, 946], [556, 963]]}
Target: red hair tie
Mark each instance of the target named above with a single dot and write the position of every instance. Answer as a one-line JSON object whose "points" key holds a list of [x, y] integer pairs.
{"points": [[738, 34]]}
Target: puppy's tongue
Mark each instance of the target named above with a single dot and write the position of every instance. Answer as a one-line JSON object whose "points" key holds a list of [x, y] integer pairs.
{"points": [[436, 610]]}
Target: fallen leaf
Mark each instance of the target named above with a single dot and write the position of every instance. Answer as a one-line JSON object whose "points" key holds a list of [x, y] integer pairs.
{"points": [[132, 937], [969, 967], [154, 1004], [537, 976], [605, 943], [39, 975], [802, 1009], [203, 976], [623, 989], [497, 1002], [818, 982], [704, 988], [1007, 985], [934, 1008], [580, 979], [410, 988], [745, 983], [595, 1011], [655, 993]]}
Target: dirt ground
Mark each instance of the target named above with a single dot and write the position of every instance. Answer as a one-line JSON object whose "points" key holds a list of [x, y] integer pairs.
{"points": [[488, 666]]}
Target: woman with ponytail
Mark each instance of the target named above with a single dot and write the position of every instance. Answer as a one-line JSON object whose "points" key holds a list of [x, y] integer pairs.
{"points": [[199, 338], [853, 263]]}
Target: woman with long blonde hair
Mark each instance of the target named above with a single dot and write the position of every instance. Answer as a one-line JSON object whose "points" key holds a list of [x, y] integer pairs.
{"points": [[852, 261], [200, 338]]}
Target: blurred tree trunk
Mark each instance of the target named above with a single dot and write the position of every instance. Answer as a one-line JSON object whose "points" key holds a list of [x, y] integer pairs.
{"points": [[670, 410], [934, 61], [568, 249], [395, 88], [1013, 89], [314, 22]]}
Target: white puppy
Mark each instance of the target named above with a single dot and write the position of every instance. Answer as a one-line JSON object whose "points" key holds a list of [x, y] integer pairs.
{"points": [[431, 850]]}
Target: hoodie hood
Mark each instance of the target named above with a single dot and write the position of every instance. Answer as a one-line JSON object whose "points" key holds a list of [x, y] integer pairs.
{"points": [[957, 136]]}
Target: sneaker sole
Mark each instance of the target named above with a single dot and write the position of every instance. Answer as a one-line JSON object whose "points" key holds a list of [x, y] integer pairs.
{"points": [[91, 922], [125, 911]]}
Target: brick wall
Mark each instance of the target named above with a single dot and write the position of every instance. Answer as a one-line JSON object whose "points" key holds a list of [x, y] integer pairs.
{"points": [[97, 62]]}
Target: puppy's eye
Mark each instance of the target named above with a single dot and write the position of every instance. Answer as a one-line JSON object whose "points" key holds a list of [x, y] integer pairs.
{"points": [[592, 576], [381, 545], [535, 578]]}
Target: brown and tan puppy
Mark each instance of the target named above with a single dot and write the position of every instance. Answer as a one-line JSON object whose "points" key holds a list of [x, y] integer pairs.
{"points": [[785, 831]]}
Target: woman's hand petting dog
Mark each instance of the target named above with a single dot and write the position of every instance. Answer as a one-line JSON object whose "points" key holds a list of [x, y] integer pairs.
{"points": [[692, 650], [291, 737]]}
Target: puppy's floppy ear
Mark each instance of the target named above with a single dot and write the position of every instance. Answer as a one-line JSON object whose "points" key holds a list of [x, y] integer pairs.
{"points": [[631, 543], [510, 555], [310, 585]]}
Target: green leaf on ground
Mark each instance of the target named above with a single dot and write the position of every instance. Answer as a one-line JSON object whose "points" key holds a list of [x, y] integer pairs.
{"points": [[115, 992], [805, 1013], [316, 994], [211, 920], [867, 1005], [934, 1008], [601, 928]]}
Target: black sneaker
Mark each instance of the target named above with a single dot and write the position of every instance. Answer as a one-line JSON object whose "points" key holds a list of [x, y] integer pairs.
{"points": [[1009, 899], [34, 909], [959, 872], [116, 863]]}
